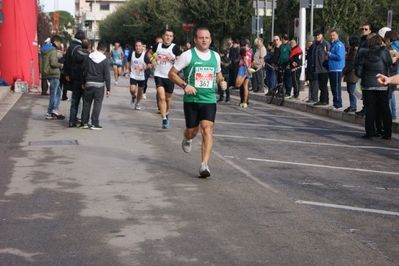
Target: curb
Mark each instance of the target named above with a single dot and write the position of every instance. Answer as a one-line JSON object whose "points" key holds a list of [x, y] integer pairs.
{"points": [[310, 108], [4, 90]]}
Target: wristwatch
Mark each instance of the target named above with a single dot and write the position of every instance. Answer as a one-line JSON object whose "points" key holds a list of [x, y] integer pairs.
{"points": [[184, 85]]}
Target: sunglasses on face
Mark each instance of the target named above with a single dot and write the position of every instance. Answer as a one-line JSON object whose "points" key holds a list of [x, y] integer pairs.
{"points": [[364, 29]]}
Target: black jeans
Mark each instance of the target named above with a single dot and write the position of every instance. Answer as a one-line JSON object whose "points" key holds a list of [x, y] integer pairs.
{"points": [[91, 94], [374, 100], [77, 93], [323, 80]]}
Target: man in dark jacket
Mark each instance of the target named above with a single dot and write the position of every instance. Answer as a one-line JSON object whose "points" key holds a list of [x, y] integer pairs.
{"points": [[76, 74], [296, 67], [50, 70], [321, 47], [95, 73], [73, 47]]}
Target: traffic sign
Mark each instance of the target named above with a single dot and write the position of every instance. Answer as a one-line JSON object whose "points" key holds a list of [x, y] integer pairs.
{"points": [[188, 26]]}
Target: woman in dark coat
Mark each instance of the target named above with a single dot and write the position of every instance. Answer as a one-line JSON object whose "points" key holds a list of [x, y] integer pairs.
{"points": [[370, 62]]}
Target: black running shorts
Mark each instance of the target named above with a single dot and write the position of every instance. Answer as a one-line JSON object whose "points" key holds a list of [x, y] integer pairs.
{"points": [[196, 112], [135, 82], [166, 83]]}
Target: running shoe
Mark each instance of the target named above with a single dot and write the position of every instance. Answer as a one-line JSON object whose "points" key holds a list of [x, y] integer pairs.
{"points": [[165, 123], [137, 107], [144, 96], [56, 114], [204, 170], [49, 116], [186, 144], [96, 127], [251, 70], [133, 100], [116, 82], [244, 105]]}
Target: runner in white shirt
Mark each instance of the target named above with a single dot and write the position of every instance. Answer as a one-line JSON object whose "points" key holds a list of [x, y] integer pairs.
{"points": [[163, 55], [139, 62]]}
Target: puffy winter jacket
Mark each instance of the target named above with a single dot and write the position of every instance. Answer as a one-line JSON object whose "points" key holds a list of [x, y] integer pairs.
{"points": [[370, 62], [49, 66]]}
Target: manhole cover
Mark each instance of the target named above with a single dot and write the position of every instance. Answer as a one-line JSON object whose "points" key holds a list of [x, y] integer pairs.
{"points": [[53, 142]]}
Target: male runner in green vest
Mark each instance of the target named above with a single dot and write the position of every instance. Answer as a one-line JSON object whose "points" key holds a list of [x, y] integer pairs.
{"points": [[201, 67]]}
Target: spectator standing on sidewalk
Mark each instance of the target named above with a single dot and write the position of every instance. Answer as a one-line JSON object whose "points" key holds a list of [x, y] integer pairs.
{"points": [[234, 51], [319, 64], [78, 58], [393, 37], [258, 62], [336, 62], [269, 66], [225, 65], [283, 64], [349, 73], [367, 33], [310, 76], [73, 47], [95, 74], [370, 62], [50, 69], [295, 67]]}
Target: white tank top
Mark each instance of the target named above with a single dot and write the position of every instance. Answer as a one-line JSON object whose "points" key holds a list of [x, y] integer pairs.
{"points": [[137, 67], [163, 63]]}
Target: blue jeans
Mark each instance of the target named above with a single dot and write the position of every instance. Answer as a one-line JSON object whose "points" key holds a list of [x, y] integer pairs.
{"points": [[55, 95], [351, 87], [392, 104], [271, 78], [335, 84]]}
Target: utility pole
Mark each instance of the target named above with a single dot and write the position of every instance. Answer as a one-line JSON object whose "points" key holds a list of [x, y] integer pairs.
{"points": [[56, 18]]}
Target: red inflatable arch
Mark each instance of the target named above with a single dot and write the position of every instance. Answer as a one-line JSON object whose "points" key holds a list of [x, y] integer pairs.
{"points": [[18, 42]]}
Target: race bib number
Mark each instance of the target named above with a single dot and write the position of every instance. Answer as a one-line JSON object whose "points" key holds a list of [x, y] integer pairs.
{"points": [[138, 71], [162, 59], [204, 77]]}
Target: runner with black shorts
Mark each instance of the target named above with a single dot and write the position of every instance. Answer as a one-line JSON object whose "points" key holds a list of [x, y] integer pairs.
{"points": [[201, 67], [163, 55], [139, 62]]}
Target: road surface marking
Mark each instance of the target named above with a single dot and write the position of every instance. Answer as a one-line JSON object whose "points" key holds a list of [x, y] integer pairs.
{"points": [[324, 166], [346, 207], [306, 142]]}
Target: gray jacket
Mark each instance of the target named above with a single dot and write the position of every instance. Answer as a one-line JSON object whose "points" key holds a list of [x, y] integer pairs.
{"points": [[319, 56]]}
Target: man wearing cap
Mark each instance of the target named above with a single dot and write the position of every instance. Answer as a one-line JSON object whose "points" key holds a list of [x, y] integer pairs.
{"points": [[321, 47]]}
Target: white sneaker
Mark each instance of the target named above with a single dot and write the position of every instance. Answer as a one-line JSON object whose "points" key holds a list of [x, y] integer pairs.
{"points": [[137, 107], [144, 96], [116, 82], [186, 144], [204, 170]]}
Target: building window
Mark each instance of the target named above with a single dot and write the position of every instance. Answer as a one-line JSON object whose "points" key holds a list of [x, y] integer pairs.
{"points": [[104, 6]]}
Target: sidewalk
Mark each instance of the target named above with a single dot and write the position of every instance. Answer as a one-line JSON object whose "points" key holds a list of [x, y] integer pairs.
{"points": [[301, 105]]}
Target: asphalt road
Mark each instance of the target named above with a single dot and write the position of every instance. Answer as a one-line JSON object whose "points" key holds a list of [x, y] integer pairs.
{"points": [[286, 188]]}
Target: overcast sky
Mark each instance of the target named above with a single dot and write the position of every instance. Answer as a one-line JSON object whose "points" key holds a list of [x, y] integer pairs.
{"points": [[66, 5]]}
